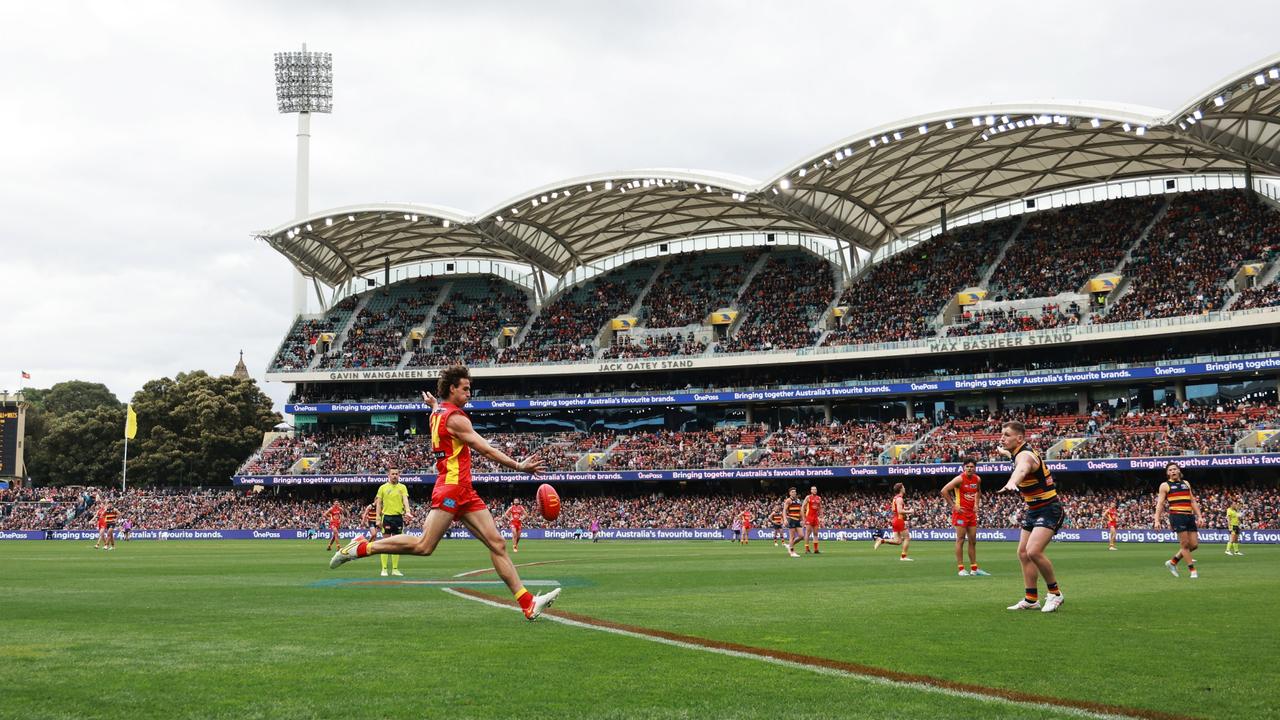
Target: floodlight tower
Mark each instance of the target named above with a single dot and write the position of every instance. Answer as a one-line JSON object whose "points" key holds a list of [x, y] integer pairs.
{"points": [[304, 84]]}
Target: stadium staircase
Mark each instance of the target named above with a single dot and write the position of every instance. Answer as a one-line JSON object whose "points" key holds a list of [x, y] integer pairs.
{"points": [[341, 339], [915, 446], [426, 324], [638, 305], [1125, 286], [742, 289]]}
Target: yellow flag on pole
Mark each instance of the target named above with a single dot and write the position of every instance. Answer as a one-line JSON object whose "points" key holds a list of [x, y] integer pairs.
{"points": [[131, 424]]}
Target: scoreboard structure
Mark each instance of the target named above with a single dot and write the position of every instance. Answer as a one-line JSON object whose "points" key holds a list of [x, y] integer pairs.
{"points": [[13, 411]]}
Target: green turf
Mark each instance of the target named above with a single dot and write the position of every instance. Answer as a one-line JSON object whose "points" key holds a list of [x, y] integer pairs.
{"points": [[259, 630]]}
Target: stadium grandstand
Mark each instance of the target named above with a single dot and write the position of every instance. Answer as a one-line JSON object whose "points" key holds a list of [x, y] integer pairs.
{"points": [[1102, 273], [876, 310]]}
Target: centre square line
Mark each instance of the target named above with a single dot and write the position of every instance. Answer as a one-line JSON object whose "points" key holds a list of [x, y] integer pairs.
{"points": [[826, 666]]}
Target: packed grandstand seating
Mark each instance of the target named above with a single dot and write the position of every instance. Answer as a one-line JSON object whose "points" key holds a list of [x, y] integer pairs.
{"points": [[898, 298], [782, 303], [1161, 431], [1178, 430], [835, 443], [377, 335], [1050, 315], [692, 285], [1059, 250], [469, 320], [1183, 265], [299, 346], [48, 508], [1258, 297], [566, 328], [654, 346]]}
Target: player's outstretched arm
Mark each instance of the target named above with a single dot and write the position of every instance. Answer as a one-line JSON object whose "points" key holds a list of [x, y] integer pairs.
{"points": [[461, 428], [1020, 469]]}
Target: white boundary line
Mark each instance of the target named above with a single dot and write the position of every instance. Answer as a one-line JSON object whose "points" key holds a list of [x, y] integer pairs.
{"points": [[1078, 712]]}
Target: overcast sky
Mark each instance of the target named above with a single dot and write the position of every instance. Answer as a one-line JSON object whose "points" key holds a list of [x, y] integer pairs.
{"points": [[140, 146]]}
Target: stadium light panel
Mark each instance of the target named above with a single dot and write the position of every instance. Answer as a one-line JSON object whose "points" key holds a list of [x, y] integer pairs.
{"points": [[608, 184], [1190, 120], [1004, 119], [304, 82], [544, 199], [1127, 127], [499, 218], [1259, 79], [566, 193], [848, 152], [839, 154], [991, 120], [785, 184], [897, 136], [884, 139], [1197, 115], [872, 142], [588, 188], [951, 125], [415, 218], [328, 222], [515, 211], [775, 191], [308, 227], [1142, 130], [1274, 73], [1182, 125], [446, 223], [555, 195], [1095, 122], [922, 129], [533, 202], [1219, 101]]}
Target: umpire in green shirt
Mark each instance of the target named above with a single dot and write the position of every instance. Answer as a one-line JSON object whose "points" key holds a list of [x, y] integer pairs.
{"points": [[392, 506]]}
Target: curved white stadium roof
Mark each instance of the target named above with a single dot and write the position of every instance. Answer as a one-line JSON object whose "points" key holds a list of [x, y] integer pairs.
{"points": [[868, 189]]}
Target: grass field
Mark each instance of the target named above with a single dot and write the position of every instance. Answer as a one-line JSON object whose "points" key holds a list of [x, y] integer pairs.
{"points": [[262, 629]]}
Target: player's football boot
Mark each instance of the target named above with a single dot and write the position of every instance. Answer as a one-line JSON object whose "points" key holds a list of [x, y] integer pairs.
{"points": [[1239, 553], [540, 603], [904, 558], [1052, 602], [963, 573], [397, 573], [1227, 552], [1172, 568], [876, 545], [980, 573], [1194, 575], [1024, 605], [793, 553], [347, 552]]}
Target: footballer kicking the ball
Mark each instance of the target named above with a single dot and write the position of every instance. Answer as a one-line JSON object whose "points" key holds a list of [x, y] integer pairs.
{"points": [[453, 498]]}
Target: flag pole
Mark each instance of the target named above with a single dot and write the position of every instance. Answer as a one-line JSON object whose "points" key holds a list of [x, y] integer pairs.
{"points": [[124, 474]]}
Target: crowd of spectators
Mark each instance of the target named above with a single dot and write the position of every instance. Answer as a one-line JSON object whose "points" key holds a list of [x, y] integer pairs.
{"points": [[566, 328], [1051, 315], [466, 324], [376, 338], [692, 285], [1257, 297], [1059, 250], [707, 507], [782, 303], [1183, 265], [979, 437], [1178, 430], [661, 345], [677, 450], [299, 346], [836, 443], [898, 298]]}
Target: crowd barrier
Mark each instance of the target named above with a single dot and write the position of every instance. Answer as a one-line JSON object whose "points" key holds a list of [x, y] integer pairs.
{"points": [[1208, 536], [1188, 462]]}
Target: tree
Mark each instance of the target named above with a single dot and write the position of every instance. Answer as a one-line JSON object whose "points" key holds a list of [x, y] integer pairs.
{"points": [[196, 429], [82, 447], [45, 406]]}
